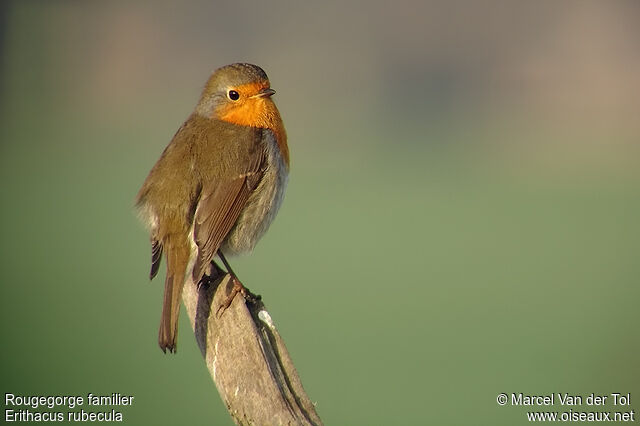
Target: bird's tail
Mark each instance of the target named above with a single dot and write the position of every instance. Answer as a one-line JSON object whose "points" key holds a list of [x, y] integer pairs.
{"points": [[177, 261]]}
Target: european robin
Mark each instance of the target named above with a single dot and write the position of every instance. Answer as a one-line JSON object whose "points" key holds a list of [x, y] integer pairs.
{"points": [[217, 186]]}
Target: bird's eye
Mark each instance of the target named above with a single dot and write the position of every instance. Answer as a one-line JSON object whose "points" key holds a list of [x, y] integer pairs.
{"points": [[233, 95]]}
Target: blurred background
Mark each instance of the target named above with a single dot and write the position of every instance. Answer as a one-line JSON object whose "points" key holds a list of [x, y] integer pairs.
{"points": [[461, 218]]}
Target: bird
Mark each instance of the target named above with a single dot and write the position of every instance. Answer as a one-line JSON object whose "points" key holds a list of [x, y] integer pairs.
{"points": [[216, 187]]}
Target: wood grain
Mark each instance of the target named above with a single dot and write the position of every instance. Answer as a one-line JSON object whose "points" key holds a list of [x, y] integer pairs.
{"points": [[247, 358]]}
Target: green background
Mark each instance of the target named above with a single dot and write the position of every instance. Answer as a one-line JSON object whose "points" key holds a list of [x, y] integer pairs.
{"points": [[461, 218]]}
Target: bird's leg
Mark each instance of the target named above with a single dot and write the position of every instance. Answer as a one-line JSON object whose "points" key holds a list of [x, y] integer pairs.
{"points": [[215, 271], [237, 288]]}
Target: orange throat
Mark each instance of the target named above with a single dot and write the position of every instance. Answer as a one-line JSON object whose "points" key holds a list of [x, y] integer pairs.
{"points": [[262, 113]]}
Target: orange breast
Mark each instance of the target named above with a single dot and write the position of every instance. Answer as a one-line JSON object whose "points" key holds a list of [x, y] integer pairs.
{"points": [[257, 112]]}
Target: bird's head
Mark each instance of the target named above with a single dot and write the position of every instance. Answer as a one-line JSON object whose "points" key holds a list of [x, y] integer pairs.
{"points": [[239, 94]]}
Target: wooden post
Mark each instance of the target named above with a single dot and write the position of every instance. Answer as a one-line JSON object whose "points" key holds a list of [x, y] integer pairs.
{"points": [[247, 358]]}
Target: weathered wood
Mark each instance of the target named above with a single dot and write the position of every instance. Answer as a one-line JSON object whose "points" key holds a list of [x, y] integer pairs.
{"points": [[247, 358]]}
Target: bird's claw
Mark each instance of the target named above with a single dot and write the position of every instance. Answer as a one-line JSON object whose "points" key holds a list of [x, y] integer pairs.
{"points": [[237, 288]]}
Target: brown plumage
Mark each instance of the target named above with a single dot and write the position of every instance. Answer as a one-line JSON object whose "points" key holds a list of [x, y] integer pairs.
{"points": [[218, 184]]}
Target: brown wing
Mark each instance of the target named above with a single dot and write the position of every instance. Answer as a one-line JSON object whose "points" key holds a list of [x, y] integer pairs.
{"points": [[218, 210]]}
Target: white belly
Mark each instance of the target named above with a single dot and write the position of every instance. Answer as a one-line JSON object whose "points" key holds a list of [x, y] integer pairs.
{"points": [[263, 205]]}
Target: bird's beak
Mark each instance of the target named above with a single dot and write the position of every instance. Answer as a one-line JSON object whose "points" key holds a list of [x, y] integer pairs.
{"points": [[264, 93]]}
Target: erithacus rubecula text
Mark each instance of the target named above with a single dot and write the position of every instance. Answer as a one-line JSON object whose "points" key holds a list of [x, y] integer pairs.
{"points": [[217, 186]]}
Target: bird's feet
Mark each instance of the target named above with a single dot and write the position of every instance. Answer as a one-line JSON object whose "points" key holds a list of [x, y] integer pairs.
{"points": [[204, 282], [237, 288], [215, 272]]}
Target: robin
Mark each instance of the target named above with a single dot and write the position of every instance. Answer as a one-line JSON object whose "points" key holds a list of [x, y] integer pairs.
{"points": [[217, 186]]}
